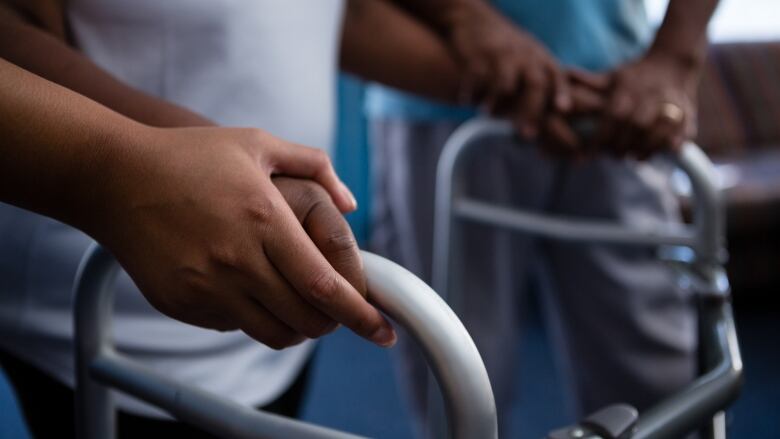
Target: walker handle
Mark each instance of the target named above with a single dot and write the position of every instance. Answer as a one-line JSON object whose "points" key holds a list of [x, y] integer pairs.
{"points": [[705, 238], [405, 298]]}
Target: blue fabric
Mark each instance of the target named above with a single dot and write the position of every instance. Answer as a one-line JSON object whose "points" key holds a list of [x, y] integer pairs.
{"points": [[594, 35]]}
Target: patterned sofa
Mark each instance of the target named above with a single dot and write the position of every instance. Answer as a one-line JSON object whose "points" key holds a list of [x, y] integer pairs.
{"points": [[739, 127]]}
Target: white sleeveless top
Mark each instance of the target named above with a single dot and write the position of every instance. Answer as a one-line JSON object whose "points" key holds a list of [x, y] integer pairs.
{"points": [[255, 63]]}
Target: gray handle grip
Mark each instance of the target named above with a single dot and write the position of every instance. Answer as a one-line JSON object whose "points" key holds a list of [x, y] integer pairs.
{"points": [[448, 347]]}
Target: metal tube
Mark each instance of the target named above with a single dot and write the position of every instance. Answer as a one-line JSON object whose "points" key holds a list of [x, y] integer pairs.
{"points": [[706, 238], [92, 331], [572, 229], [217, 416], [696, 404], [710, 393], [448, 347]]}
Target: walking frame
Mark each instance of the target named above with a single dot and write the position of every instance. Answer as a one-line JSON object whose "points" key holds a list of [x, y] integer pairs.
{"points": [[449, 350], [698, 406]]}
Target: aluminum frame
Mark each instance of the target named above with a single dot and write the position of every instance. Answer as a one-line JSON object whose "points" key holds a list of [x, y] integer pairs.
{"points": [[701, 404], [470, 405]]}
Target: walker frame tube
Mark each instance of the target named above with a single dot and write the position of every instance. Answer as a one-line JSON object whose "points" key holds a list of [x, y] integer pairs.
{"points": [[710, 393], [471, 410]]}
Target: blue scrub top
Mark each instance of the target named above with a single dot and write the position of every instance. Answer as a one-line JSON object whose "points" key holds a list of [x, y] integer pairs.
{"points": [[590, 34]]}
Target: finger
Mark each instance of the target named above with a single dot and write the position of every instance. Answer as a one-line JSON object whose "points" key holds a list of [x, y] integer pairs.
{"points": [[586, 101], [535, 89], [305, 162], [333, 236], [645, 122], [306, 269], [665, 136], [284, 302], [658, 139], [596, 81], [474, 81], [615, 133], [326, 227], [504, 83], [258, 323], [560, 139], [561, 90]]}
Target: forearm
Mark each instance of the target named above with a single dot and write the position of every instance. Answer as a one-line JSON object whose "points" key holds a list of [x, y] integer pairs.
{"points": [[440, 14], [382, 43], [683, 33], [57, 147], [42, 53]]}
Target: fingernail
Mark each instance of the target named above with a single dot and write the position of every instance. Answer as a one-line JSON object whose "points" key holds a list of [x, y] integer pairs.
{"points": [[349, 196], [384, 336]]}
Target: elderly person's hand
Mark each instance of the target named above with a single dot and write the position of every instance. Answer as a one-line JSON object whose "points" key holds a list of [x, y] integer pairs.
{"points": [[505, 68], [651, 107], [569, 135]]}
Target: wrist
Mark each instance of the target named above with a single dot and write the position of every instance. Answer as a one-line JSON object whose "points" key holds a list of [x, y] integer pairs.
{"points": [[459, 12], [107, 179], [684, 59]]}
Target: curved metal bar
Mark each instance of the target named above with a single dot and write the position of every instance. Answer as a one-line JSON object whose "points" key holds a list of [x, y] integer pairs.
{"points": [[705, 237], [712, 391], [693, 406], [448, 347]]}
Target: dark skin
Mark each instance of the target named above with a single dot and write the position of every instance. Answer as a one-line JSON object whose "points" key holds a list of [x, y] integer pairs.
{"points": [[640, 119], [308, 276], [192, 214], [512, 74]]}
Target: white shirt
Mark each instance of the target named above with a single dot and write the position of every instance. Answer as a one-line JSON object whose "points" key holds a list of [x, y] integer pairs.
{"points": [[256, 63]]}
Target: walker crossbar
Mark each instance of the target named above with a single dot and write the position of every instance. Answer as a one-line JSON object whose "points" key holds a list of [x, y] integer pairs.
{"points": [[703, 399], [457, 365]]}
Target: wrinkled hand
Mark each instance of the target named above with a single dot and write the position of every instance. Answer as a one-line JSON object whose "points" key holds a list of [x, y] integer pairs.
{"points": [[501, 62], [651, 107], [211, 240]]}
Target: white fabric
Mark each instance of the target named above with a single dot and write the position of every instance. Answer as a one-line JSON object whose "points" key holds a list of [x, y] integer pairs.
{"points": [[260, 63]]}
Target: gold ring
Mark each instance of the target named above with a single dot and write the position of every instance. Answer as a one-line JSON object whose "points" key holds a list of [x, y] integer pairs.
{"points": [[672, 112]]}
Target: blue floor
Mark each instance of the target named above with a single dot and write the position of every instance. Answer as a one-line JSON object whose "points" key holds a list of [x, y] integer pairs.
{"points": [[353, 387]]}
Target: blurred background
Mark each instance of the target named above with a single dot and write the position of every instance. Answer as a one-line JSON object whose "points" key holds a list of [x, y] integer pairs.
{"points": [[739, 127]]}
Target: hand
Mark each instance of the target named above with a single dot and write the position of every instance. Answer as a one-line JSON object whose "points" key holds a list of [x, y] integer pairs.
{"points": [[651, 107], [569, 135], [502, 62], [197, 222]]}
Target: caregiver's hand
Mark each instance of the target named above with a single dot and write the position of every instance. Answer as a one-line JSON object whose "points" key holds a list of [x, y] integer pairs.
{"points": [[502, 62], [199, 225]]}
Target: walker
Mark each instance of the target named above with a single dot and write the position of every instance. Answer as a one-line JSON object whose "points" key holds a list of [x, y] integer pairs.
{"points": [[457, 367], [701, 404]]}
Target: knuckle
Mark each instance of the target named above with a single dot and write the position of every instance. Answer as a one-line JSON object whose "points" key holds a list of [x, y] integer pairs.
{"points": [[312, 193], [256, 137], [321, 158], [339, 242], [323, 287], [223, 255], [262, 210]]}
